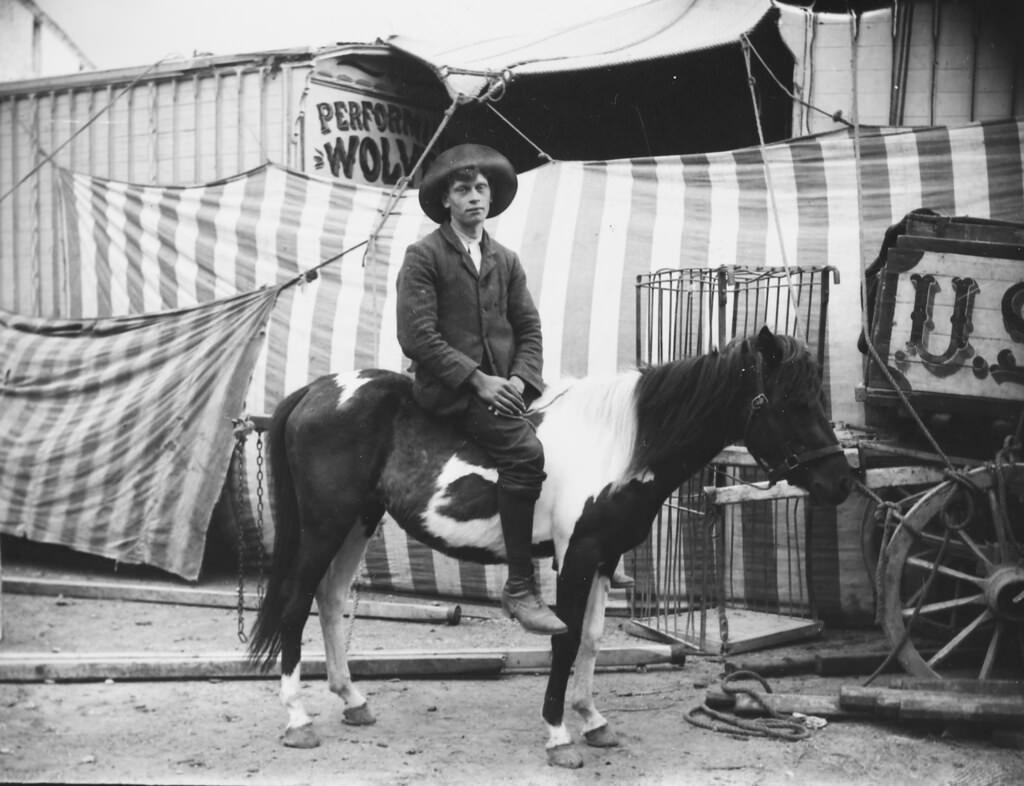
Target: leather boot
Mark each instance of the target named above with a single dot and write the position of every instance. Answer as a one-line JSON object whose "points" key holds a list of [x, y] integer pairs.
{"points": [[521, 601], [520, 598], [620, 579]]}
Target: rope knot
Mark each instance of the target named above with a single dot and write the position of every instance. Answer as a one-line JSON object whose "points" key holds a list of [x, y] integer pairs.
{"points": [[887, 510], [243, 427]]}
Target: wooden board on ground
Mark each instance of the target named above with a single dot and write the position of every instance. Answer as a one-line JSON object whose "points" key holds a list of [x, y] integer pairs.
{"points": [[1006, 710], [215, 596], [41, 666], [746, 630], [761, 703], [975, 686], [34, 579]]}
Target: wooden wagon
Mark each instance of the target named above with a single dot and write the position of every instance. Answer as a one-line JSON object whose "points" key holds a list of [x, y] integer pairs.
{"points": [[944, 379]]}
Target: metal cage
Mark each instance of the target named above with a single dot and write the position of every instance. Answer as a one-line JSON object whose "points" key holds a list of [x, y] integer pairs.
{"points": [[751, 555]]}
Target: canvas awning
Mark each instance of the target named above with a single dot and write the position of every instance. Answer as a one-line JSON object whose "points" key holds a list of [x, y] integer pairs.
{"points": [[651, 30]]}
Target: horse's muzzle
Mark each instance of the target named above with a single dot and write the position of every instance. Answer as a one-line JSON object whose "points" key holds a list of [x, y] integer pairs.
{"points": [[830, 489]]}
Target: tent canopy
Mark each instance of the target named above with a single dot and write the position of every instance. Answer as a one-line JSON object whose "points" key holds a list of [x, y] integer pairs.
{"points": [[663, 77], [650, 31]]}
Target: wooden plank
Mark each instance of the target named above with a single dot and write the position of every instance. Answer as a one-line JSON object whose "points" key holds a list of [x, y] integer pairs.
{"points": [[783, 703], [61, 667], [832, 664], [901, 451], [965, 228], [978, 248], [825, 665], [40, 666], [260, 422], [195, 596], [854, 663], [774, 665], [985, 687], [530, 659], [747, 630], [752, 492], [934, 705], [882, 477], [644, 631], [938, 402]]}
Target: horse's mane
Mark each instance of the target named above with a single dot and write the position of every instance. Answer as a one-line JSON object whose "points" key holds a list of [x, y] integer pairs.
{"points": [[598, 411], [798, 372], [685, 406], [660, 412]]}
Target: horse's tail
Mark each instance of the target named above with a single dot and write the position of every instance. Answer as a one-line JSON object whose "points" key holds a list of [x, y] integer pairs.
{"points": [[265, 638]]}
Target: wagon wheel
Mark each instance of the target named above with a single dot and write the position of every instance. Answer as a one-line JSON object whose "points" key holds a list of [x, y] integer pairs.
{"points": [[875, 530], [953, 578]]}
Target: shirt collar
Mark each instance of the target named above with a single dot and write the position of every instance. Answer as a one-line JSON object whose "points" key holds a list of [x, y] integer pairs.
{"points": [[458, 238]]}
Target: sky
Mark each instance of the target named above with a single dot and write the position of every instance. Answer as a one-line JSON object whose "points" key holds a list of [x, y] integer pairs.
{"points": [[123, 33]]}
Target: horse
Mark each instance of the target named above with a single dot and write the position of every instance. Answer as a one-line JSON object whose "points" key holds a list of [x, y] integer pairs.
{"points": [[346, 449]]}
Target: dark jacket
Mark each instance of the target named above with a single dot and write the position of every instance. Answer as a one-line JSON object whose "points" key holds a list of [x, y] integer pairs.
{"points": [[452, 321]]}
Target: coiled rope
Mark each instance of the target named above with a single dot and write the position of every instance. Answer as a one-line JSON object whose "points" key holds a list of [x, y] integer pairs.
{"points": [[775, 726]]}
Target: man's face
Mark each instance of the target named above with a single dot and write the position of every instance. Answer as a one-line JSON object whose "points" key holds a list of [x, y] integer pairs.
{"points": [[469, 201]]}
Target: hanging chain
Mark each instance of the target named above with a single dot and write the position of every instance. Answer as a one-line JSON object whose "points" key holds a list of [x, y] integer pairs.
{"points": [[260, 551], [242, 428]]}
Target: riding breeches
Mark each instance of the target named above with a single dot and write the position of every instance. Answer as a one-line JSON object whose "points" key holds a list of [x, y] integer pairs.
{"points": [[511, 442]]}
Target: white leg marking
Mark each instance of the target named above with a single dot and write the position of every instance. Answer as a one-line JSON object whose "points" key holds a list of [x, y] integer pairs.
{"points": [[291, 684], [330, 600], [558, 735], [581, 691]]}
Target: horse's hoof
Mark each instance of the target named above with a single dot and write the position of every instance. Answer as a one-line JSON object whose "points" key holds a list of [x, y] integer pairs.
{"points": [[358, 716], [565, 756], [601, 737], [301, 737]]}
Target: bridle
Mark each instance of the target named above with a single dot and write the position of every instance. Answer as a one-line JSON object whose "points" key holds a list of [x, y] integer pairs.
{"points": [[791, 459]]}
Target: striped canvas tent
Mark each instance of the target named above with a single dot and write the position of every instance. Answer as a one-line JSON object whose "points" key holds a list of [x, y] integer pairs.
{"points": [[116, 432], [584, 232]]}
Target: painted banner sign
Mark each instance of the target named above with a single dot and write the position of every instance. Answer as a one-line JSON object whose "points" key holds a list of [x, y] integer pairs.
{"points": [[364, 137], [952, 309]]}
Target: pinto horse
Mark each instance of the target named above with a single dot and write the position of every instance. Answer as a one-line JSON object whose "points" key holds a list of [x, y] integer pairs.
{"points": [[346, 449]]}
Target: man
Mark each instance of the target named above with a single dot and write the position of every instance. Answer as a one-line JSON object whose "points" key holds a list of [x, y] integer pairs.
{"points": [[469, 324]]}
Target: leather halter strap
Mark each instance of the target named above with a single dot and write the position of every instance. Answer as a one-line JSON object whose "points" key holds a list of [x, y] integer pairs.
{"points": [[791, 459]]}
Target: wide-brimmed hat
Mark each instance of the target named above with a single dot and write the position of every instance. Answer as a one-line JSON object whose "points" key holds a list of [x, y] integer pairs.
{"points": [[498, 170]]}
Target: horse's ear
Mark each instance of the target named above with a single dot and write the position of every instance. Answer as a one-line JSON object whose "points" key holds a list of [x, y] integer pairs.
{"points": [[768, 346]]}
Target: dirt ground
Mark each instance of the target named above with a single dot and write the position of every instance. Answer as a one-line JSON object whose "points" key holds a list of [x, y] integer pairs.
{"points": [[437, 731]]}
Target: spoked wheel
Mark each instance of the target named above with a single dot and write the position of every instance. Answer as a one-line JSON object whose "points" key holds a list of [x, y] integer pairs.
{"points": [[953, 578]]}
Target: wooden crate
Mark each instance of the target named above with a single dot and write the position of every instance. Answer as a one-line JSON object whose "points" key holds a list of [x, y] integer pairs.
{"points": [[949, 318]]}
